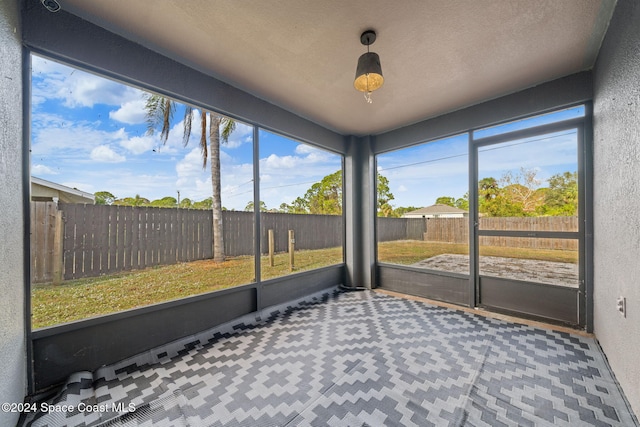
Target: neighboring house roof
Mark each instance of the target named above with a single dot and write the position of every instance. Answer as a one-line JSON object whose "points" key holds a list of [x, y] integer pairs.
{"points": [[44, 190], [437, 210]]}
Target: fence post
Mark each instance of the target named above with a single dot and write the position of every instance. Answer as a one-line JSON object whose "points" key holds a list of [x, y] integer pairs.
{"points": [[292, 247], [58, 248], [272, 247]]}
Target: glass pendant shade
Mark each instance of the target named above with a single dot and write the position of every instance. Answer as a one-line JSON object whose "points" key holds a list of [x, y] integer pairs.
{"points": [[368, 73]]}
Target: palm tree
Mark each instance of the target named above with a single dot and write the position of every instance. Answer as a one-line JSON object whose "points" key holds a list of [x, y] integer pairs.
{"points": [[159, 115]]}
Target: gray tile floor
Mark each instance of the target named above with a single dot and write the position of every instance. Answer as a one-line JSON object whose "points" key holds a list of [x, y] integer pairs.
{"points": [[355, 359]]}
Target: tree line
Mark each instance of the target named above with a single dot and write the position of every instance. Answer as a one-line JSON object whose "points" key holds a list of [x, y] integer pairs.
{"points": [[520, 195], [106, 198], [513, 195]]}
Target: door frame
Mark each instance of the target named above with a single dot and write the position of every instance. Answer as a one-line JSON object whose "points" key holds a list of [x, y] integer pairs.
{"points": [[526, 299]]}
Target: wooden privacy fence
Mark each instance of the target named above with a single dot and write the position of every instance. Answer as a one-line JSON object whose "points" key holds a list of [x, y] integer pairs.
{"points": [[90, 240], [311, 231], [389, 229], [102, 239], [46, 242], [456, 230]]}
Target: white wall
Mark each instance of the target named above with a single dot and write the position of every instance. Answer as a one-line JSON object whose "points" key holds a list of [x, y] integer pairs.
{"points": [[617, 196], [12, 327]]}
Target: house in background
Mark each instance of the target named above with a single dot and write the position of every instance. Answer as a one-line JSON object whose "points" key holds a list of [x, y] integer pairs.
{"points": [[437, 211], [47, 191]]}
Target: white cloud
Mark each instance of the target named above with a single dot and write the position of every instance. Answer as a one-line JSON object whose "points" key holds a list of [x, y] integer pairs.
{"points": [[402, 189], [131, 112], [275, 162], [54, 135], [76, 88], [306, 149], [123, 182], [41, 170], [242, 135], [139, 144], [104, 154], [189, 167], [194, 182]]}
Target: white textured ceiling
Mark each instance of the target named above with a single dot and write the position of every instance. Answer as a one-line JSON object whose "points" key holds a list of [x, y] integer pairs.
{"points": [[437, 55]]}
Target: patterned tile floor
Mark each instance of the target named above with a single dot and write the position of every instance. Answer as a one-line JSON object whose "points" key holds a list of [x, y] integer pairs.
{"points": [[354, 359]]}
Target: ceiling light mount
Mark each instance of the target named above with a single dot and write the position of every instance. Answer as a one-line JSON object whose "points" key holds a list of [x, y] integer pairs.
{"points": [[368, 37], [369, 71]]}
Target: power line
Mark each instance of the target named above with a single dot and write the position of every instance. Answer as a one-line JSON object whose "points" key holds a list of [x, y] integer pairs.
{"points": [[423, 162], [480, 150], [270, 188], [527, 142]]}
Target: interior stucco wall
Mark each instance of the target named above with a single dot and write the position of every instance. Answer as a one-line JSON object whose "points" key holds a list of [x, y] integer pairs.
{"points": [[12, 325], [617, 196]]}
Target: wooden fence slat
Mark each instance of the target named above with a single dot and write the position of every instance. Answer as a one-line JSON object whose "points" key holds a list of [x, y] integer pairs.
{"points": [[177, 234], [166, 236], [160, 235], [142, 238], [135, 239], [171, 240], [99, 236], [39, 216], [189, 239], [79, 240], [69, 241], [92, 263]]}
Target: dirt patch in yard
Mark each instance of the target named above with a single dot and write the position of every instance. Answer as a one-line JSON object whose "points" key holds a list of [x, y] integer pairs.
{"points": [[531, 270]]}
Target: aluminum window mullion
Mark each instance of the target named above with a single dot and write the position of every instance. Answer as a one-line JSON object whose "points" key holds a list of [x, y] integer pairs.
{"points": [[529, 132], [531, 234]]}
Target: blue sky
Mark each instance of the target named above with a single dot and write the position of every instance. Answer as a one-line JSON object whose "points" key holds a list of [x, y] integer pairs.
{"points": [[420, 174], [89, 132]]}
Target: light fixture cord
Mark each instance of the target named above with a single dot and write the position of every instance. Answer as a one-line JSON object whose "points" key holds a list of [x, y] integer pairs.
{"points": [[367, 94]]}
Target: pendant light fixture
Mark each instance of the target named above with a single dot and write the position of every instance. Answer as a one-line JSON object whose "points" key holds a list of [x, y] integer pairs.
{"points": [[369, 72]]}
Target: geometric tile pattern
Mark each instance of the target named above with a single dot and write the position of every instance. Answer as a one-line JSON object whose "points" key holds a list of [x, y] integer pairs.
{"points": [[354, 359]]}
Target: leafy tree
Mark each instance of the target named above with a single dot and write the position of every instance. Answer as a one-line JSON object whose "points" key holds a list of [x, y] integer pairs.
{"points": [[160, 112], [561, 198], [384, 195], [249, 207], [325, 197], [298, 206], [488, 188], [398, 212], [522, 189], [203, 204], [186, 203], [132, 201], [462, 202], [519, 195], [165, 202], [446, 200], [104, 198]]}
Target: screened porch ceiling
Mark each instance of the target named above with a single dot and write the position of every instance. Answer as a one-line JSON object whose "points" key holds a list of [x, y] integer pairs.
{"points": [[437, 56]]}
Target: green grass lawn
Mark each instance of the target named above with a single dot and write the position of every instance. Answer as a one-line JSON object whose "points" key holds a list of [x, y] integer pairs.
{"points": [[411, 251], [80, 299], [83, 298]]}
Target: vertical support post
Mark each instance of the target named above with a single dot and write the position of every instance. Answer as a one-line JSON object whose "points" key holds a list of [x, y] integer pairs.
{"points": [[272, 246], [360, 213], [474, 223], [292, 248], [58, 248]]}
